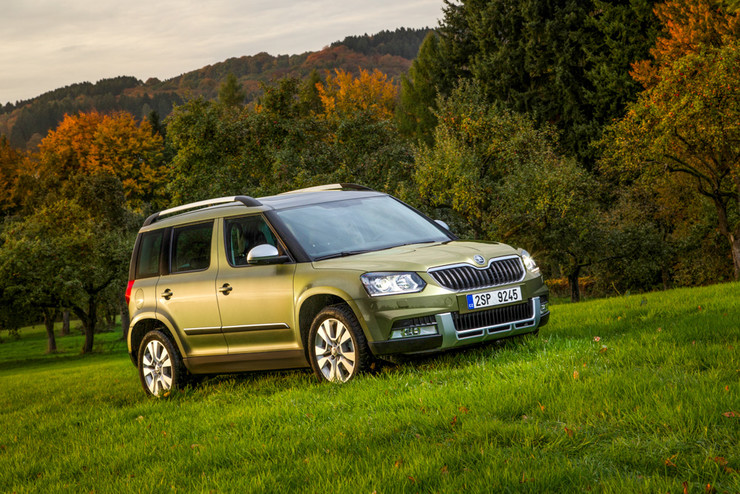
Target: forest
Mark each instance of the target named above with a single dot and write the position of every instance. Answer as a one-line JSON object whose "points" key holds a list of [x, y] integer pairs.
{"points": [[602, 136]]}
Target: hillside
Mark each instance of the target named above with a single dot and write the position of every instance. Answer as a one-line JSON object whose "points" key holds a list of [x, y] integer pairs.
{"points": [[26, 122]]}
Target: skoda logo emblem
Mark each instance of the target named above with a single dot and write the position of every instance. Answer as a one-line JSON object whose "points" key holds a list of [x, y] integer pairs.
{"points": [[479, 259]]}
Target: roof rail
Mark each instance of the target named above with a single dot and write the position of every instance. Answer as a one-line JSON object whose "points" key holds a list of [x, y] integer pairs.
{"points": [[246, 200], [320, 188]]}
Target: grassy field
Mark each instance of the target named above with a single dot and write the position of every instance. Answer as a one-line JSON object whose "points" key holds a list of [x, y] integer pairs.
{"points": [[628, 394]]}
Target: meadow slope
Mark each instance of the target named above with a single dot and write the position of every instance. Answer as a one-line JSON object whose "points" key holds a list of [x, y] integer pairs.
{"points": [[627, 394]]}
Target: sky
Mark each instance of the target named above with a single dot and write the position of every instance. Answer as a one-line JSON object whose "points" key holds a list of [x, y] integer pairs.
{"points": [[47, 44]]}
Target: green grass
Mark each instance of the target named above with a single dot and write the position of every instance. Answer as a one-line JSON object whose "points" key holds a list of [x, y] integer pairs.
{"points": [[644, 413]]}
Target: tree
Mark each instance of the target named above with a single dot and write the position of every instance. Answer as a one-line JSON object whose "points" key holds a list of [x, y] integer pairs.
{"points": [[415, 113], [231, 93], [10, 164], [89, 143], [686, 125], [343, 94], [61, 256], [562, 62], [688, 25]]}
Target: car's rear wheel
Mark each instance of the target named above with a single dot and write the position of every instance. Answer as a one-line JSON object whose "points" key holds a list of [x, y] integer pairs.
{"points": [[160, 366], [337, 347]]}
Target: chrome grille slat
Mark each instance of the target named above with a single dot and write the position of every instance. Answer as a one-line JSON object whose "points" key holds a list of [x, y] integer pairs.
{"points": [[464, 277]]}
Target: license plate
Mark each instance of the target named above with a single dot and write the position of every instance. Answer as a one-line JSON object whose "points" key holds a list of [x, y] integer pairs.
{"points": [[496, 297]]}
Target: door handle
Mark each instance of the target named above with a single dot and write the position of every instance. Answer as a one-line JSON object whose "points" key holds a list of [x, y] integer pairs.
{"points": [[225, 289], [167, 294]]}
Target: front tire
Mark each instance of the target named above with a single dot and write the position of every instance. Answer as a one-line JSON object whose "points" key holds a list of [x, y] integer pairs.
{"points": [[160, 366], [338, 349]]}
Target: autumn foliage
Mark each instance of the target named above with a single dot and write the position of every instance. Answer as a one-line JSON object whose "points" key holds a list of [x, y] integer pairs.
{"points": [[91, 143], [343, 94], [688, 24]]}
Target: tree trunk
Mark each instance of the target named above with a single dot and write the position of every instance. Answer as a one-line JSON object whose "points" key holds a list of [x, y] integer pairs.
{"points": [[733, 236], [89, 319], [65, 322], [666, 277], [575, 290], [125, 318], [735, 243], [49, 316]]}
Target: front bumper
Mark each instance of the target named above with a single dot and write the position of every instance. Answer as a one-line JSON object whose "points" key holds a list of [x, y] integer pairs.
{"points": [[471, 330]]}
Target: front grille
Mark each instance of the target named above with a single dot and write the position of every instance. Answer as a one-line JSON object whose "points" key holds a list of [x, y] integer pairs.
{"points": [[468, 277], [492, 317]]}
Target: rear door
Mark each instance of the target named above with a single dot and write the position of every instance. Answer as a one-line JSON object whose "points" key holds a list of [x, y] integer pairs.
{"points": [[255, 301], [187, 295]]}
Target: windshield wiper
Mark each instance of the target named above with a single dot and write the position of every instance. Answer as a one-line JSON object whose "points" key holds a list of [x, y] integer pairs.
{"points": [[341, 254]]}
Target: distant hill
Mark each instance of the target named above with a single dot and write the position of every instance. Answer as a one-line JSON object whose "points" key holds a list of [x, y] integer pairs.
{"points": [[26, 122]]}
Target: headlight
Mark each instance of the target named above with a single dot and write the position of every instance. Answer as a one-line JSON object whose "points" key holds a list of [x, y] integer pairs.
{"points": [[378, 284], [529, 263]]}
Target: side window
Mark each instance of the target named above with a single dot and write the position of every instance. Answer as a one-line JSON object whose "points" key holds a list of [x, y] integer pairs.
{"points": [[147, 262], [191, 248], [245, 233]]}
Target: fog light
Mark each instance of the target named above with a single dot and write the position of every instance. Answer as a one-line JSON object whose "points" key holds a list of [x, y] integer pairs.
{"points": [[543, 306], [412, 331]]}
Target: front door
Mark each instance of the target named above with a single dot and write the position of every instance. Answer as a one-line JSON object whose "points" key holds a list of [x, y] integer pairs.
{"points": [[256, 301]]}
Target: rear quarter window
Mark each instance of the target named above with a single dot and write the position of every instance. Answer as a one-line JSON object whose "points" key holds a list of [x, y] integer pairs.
{"points": [[150, 247]]}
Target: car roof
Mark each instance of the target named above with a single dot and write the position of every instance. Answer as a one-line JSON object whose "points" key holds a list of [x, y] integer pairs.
{"points": [[238, 205]]}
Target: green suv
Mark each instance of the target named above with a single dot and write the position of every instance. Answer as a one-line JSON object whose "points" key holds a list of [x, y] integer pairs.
{"points": [[328, 277]]}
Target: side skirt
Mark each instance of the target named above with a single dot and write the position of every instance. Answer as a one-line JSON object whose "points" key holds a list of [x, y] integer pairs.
{"points": [[284, 359]]}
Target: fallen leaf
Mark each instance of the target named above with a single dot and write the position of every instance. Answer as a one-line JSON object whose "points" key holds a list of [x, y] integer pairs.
{"points": [[700, 307], [603, 349], [685, 487], [575, 374], [720, 460], [669, 463], [731, 414], [412, 479], [542, 407], [569, 432], [398, 463], [709, 489], [444, 470], [727, 388], [597, 338], [464, 409], [454, 421]]}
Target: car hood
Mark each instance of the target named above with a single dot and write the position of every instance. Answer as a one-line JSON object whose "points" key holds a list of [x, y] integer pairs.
{"points": [[418, 257]]}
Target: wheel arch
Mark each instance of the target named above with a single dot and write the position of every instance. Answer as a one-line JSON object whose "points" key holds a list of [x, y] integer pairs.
{"points": [[141, 326], [310, 304]]}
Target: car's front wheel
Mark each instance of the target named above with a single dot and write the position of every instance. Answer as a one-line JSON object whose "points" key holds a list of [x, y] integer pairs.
{"points": [[337, 346], [160, 365]]}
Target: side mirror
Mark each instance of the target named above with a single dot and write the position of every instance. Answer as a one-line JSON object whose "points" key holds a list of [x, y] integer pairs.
{"points": [[443, 225], [265, 254]]}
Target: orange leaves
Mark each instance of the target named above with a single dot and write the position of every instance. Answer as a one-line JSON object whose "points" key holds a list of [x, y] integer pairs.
{"points": [[732, 414], [91, 143], [689, 25], [344, 94]]}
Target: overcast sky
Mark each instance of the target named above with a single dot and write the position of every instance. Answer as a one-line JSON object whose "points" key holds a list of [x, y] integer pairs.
{"points": [[47, 44]]}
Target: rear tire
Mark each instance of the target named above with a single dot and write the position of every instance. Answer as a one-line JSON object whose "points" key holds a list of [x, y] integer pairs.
{"points": [[161, 370], [337, 346]]}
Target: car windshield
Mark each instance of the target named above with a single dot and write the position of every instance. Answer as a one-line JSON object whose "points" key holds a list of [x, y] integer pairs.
{"points": [[353, 226]]}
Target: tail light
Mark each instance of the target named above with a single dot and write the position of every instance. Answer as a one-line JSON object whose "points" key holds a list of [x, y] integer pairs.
{"points": [[129, 287]]}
